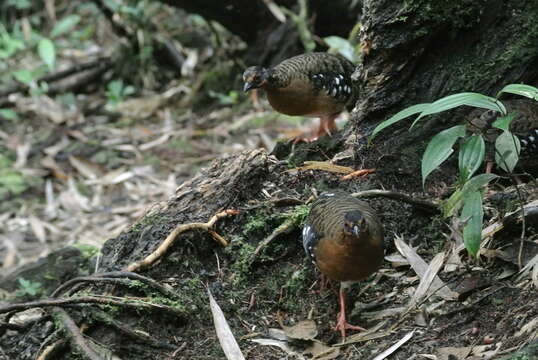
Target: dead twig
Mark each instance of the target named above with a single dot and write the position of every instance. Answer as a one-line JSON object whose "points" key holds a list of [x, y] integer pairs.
{"points": [[171, 238], [95, 299], [425, 205], [282, 229], [76, 336], [358, 173]]}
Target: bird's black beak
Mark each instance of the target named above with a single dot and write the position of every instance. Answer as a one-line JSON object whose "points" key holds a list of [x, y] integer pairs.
{"points": [[248, 86]]}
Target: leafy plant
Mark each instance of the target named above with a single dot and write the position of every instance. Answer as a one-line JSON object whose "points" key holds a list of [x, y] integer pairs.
{"points": [[9, 44], [28, 288], [468, 195], [11, 181], [341, 46], [225, 99], [116, 93]]}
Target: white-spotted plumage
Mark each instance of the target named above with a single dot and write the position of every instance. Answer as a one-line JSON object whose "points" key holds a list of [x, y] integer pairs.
{"points": [[335, 85], [310, 240]]}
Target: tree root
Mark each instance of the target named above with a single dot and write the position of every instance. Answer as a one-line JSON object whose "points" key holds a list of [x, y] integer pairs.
{"points": [[139, 336], [94, 299], [171, 238], [425, 205], [115, 277], [77, 340]]}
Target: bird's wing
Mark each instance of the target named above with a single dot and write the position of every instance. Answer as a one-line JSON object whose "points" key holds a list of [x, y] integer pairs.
{"points": [[310, 240]]}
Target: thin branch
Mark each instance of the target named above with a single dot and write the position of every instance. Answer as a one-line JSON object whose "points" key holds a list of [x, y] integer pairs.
{"points": [[171, 238], [115, 275], [140, 336], [59, 75], [426, 205], [136, 304]]}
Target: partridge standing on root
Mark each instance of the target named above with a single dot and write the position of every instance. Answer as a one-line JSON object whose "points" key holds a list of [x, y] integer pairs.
{"points": [[524, 125], [313, 84], [344, 238]]}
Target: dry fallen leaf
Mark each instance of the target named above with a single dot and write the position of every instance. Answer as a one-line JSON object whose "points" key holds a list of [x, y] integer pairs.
{"points": [[420, 267], [303, 330], [395, 347], [224, 333], [323, 166]]}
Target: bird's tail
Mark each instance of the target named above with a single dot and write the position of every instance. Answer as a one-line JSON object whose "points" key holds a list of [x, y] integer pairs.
{"points": [[529, 144]]}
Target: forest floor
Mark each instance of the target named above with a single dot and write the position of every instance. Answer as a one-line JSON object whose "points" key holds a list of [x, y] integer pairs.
{"points": [[78, 170]]}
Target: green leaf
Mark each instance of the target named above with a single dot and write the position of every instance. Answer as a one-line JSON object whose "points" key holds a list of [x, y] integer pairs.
{"points": [[467, 98], [13, 182], [8, 114], [412, 110], [439, 149], [471, 156], [507, 148], [503, 122], [47, 52], [65, 25], [520, 89], [454, 202], [473, 213], [341, 46], [24, 76]]}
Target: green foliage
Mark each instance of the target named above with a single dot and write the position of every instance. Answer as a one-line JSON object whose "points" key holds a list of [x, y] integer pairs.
{"points": [[65, 25], [8, 114], [28, 288], [473, 214], [12, 182], [18, 4], [507, 148], [471, 156], [439, 149], [47, 52], [116, 93], [225, 99], [467, 196], [9, 44], [88, 251], [341, 46]]}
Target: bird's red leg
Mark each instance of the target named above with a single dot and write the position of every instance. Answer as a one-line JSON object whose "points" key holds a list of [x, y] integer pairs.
{"points": [[341, 324], [327, 126], [324, 284]]}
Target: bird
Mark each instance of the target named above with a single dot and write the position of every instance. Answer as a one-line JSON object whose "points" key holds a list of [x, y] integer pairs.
{"points": [[343, 237], [524, 125], [313, 85]]}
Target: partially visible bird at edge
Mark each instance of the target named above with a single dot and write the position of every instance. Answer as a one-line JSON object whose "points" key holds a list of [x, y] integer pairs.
{"points": [[313, 85]]}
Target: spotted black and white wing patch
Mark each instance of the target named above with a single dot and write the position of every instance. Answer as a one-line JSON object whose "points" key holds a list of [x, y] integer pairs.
{"points": [[335, 85], [310, 241], [529, 144]]}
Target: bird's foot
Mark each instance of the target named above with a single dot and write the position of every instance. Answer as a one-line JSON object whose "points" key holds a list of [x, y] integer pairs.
{"points": [[342, 325], [306, 138], [324, 284]]}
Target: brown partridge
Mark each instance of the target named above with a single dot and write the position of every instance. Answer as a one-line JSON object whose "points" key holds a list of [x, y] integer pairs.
{"points": [[312, 85], [344, 238]]}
